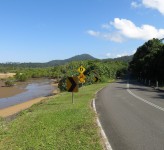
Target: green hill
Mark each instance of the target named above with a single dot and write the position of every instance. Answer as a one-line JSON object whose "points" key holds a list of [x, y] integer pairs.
{"points": [[74, 58], [123, 58]]}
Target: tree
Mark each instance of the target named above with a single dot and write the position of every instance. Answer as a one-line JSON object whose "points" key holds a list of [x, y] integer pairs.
{"points": [[148, 60]]}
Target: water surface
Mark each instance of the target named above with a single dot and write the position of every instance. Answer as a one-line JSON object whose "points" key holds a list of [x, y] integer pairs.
{"points": [[33, 89]]}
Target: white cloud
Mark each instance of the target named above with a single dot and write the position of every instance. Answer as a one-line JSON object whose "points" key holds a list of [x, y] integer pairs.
{"points": [[124, 28], [106, 26], [123, 54], [154, 4], [111, 55], [128, 29], [134, 51], [115, 55], [135, 4], [108, 54], [115, 37], [93, 33], [107, 36]]}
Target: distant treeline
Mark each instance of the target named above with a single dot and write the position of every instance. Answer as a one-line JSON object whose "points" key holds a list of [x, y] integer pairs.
{"points": [[148, 61], [123, 59], [13, 65], [103, 70]]}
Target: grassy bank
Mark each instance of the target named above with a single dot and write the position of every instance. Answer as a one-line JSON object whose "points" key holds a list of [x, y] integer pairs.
{"points": [[55, 124]]}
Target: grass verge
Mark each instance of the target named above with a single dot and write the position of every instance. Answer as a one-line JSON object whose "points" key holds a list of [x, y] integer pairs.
{"points": [[55, 124]]}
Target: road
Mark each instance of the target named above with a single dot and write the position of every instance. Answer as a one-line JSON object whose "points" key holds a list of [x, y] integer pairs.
{"points": [[132, 116]]}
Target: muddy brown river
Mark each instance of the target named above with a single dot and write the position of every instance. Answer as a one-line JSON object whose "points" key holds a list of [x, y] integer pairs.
{"points": [[30, 90]]}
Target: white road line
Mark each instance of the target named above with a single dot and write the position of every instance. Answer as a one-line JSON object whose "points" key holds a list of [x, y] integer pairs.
{"points": [[144, 100], [107, 144]]}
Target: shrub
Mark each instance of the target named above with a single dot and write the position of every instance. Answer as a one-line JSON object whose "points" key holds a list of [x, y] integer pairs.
{"points": [[62, 84], [21, 77], [9, 82]]}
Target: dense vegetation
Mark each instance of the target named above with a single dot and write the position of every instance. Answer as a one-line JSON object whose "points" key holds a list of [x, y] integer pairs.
{"points": [[103, 70], [13, 65], [148, 61], [122, 59]]}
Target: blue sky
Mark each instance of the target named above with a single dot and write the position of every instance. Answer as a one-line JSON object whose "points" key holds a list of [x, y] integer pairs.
{"points": [[44, 30]]}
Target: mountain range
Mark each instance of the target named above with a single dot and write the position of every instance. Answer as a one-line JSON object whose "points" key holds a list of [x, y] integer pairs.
{"points": [[61, 62], [88, 57]]}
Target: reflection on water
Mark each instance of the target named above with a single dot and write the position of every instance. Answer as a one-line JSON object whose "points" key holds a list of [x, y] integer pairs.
{"points": [[37, 88]]}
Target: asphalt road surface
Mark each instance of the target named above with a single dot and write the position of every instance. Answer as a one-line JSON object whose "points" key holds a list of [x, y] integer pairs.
{"points": [[132, 116]]}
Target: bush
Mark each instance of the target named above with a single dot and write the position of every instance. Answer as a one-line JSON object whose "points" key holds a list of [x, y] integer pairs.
{"points": [[21, 77], [9, 82], [62, 84], [104, 79]]}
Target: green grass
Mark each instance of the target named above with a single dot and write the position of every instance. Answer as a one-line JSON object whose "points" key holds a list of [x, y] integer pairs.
{"points": [[55, 124]]}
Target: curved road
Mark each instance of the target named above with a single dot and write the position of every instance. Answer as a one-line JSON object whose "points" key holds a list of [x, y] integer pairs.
{"points": [[132, 116]]}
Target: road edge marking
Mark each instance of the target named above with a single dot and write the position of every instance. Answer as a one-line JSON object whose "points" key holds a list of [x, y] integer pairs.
{"points": [[143, 100], [105, 139]]}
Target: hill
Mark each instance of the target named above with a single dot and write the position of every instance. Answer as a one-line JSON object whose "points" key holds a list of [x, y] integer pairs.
{"points": [[74, 58], [50, 63], [123, 58]]}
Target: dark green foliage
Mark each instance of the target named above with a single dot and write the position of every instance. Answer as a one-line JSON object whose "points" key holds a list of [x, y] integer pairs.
{"points": [[9, 82], [123, 59], [95, 68], [62, 84], [148, 61], [21, 77]]}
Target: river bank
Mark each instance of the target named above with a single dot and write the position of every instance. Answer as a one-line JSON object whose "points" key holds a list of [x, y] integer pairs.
{"points": [[6, 112], [9, 111], [24, 95], [6, 75], [56, 123], [10, 91]]}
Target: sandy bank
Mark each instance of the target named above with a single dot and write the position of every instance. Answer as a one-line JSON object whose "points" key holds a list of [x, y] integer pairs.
{"points": [[6, 75], [17, 108], [9, 91]]}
